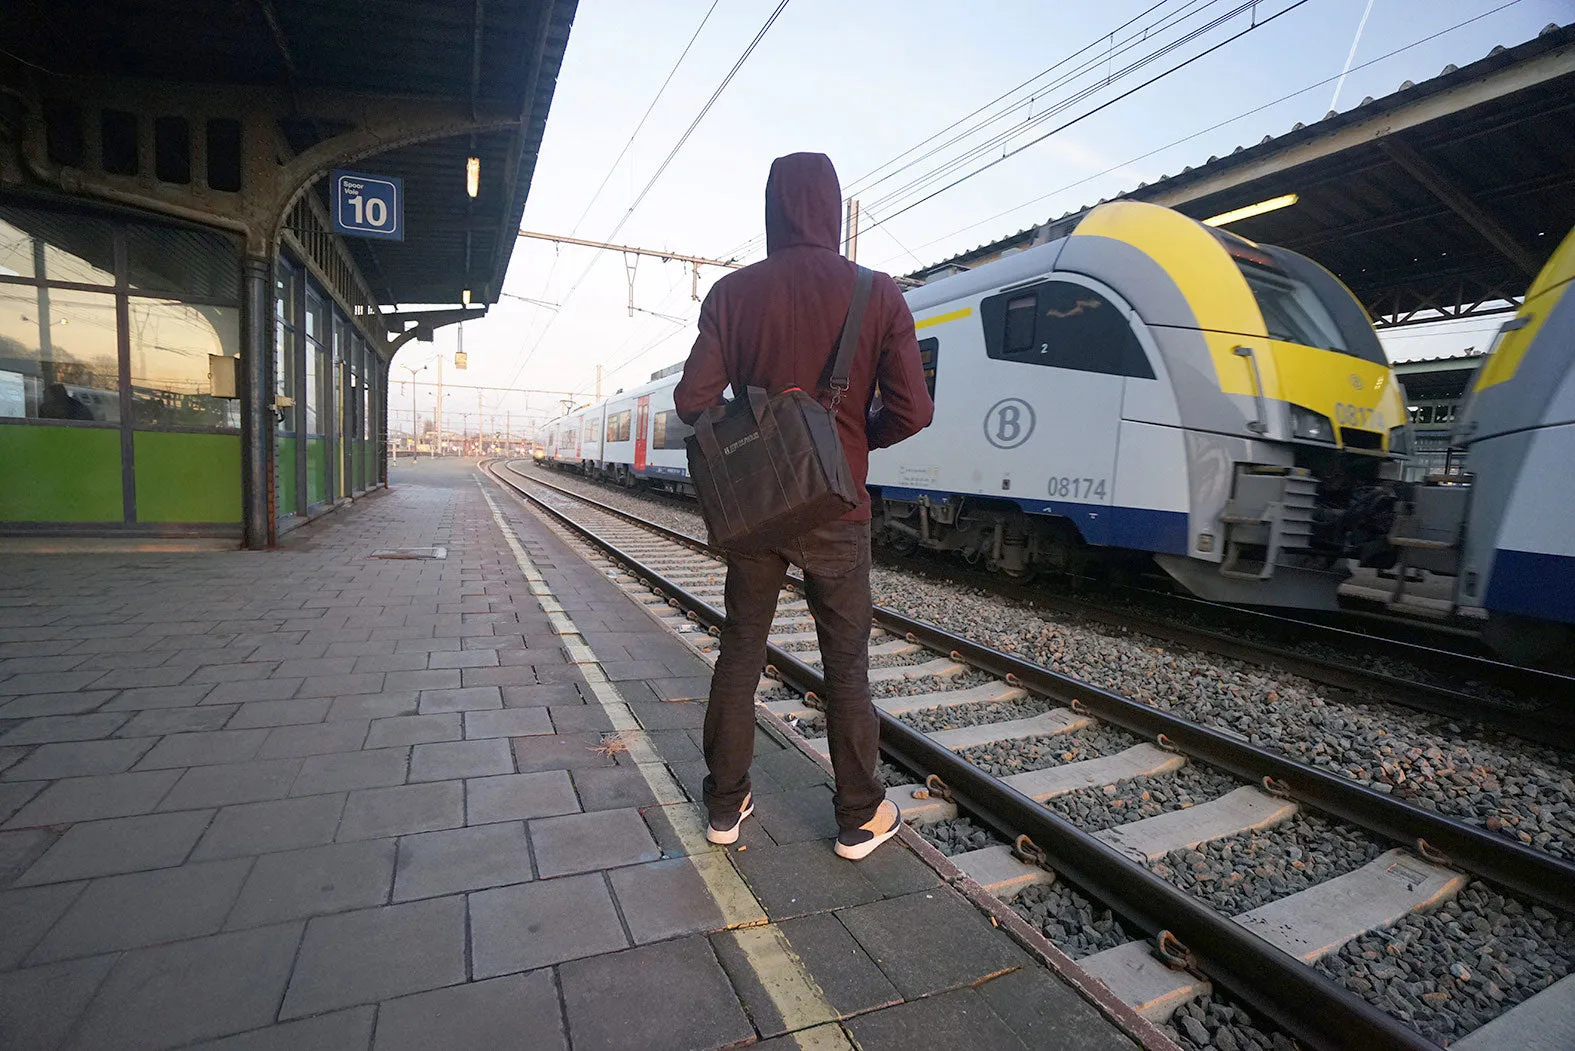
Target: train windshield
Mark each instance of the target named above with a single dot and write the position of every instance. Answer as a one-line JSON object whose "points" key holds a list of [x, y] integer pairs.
{"points": [[1291, 310]]}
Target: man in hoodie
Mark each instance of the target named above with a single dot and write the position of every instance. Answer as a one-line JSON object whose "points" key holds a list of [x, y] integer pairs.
{"points": [[775, 325]]}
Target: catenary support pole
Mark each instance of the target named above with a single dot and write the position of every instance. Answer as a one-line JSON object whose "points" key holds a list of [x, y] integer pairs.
{"points": [[258, 512]]}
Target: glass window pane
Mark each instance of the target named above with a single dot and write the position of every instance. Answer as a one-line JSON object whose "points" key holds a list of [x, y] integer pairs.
{"points": [[56, 246], [59, 357], [170, 345], [183, 262]]}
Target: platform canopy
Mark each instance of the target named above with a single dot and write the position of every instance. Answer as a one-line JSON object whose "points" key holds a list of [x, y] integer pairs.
{"points": [[337, 61], [1440, 200]]}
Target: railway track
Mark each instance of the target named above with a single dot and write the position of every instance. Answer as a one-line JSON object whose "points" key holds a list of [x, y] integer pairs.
{"points": [[1040, 742]]}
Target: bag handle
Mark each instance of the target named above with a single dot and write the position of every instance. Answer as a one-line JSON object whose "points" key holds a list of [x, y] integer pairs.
{"points": [[850, 335]]}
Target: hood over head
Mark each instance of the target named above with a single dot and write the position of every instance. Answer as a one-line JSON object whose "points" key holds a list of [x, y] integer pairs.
{"points": [[803, 203]]}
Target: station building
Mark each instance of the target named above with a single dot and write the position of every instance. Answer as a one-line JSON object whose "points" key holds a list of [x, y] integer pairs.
{"points": [[187, 347]]}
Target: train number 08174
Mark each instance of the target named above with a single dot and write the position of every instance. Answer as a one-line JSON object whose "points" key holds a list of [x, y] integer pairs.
{"points": [[1077, 488]]}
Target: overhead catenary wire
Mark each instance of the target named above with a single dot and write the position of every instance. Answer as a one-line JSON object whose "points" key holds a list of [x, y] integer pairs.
{"points": [[1315, 85], [640, 197]]}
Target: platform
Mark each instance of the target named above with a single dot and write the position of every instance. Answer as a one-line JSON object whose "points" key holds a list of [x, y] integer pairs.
{"points": [[320, 797]]}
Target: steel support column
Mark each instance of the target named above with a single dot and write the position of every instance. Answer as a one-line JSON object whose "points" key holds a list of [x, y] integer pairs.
{"points": [[256, 390]]}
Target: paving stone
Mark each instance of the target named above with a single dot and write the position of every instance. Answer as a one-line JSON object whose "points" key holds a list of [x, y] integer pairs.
{"points": [[260, 828], [170, 995], [516, 1013], [204, 749], [122, 844], [314, 739], [54, 704], [667, 898], [26, 915], [279, 713], [560, 752], [54, 680], [671, 995], [90, 798], [517, 797], [584, 842], [39, 1005], [542, 694], [132, 678], [246, 690], [216, 786], [441, 679], [797, 879], [677, 715], [609, 789], [52, 728], [342, 685], [145, 908], [379, 812], [414, 729], [895, 870], [675, 746], [1046, 1012], [351, 770], [956, 1021], [309, 666], [369, 706], [79, 759], [786, 768], [239, 671], [162, 721], [349, 1030], [511, 675], [461, 859], [681, 688], [508, 722], [556, 671], [679, 829], [578, 718], [296, 884], [473, 698], [522, 927], [375, 954], [21, 848], [464, 658], [458, 759], [798, 814], [931, 940]]}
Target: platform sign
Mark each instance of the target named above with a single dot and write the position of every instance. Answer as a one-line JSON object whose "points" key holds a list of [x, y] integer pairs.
{"points": [[368, 205]]}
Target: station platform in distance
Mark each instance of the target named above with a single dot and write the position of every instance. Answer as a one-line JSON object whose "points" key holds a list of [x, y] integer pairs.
{"points": [[325, 798]]}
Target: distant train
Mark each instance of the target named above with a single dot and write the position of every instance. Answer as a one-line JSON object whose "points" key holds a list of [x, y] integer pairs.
{"points": [[1146, 386], [1507, 533]]}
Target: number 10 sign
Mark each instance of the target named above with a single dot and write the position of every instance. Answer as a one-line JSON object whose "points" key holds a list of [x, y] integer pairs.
{"points": [[368, 205]]}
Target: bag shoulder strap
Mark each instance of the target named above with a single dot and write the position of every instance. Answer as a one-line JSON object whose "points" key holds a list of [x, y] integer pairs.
{"points": [[850, 332]]}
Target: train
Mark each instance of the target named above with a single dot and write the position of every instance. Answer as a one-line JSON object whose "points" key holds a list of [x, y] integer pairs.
{"points": [[1502, 529], [1144, 388]]}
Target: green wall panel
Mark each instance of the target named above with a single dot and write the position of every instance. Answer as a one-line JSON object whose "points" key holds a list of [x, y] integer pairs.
{"points": [[60, 474], [316, 470], [284, 473], [188, 477]]}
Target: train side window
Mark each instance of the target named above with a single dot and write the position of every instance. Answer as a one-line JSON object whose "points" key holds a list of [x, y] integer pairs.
{"points": [[668, 431], [1020, 324], [929, 354], [1073, 327], [618, 426]]}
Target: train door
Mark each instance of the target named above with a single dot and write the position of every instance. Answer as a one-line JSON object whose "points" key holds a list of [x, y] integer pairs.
{"points": [[642, 427]]}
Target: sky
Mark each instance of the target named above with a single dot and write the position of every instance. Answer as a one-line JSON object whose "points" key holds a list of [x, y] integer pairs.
{"points": [[865, 82]]}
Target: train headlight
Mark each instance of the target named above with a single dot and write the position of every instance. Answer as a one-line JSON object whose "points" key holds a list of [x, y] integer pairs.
{"points": [[1400, 440], [1311, 426]]}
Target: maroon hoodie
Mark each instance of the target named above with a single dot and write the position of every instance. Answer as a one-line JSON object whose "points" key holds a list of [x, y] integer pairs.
{"points": [[775, 324]]}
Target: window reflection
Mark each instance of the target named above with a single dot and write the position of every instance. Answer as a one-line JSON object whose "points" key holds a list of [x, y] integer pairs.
{"points": [[56, 246], [170, 345], [58, 355]]}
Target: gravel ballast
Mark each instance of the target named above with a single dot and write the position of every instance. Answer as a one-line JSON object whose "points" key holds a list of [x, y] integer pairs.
{"points": [[1449, 971], [1003, 758], [1093, 809]]}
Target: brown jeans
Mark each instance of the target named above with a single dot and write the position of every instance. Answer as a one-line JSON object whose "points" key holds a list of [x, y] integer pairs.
{"points": [[836, 562]]}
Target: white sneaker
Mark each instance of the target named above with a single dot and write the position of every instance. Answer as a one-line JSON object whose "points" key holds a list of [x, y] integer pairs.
{"points": [[725, 836], [862, 841]]}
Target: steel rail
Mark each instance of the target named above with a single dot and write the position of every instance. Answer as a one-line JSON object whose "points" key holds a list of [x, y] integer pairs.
{"points": [[1315, 1009], [1534, 874]]}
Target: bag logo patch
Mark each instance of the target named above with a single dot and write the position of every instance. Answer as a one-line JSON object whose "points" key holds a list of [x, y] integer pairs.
{"points": [[752, 436]]}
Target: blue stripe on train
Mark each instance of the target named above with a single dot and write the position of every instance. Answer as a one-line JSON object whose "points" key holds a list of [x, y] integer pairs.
{"points": [[1137, 528], [1534, 584]]}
